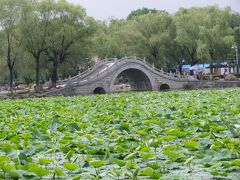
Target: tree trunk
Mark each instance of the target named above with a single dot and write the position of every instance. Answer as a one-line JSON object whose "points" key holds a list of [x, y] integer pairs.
{"points": [[54, 72], [11, 79], [193, 60], [10, 64], [37, 71], [211, 71], [37, 87], [192, 53], [211, 65]]}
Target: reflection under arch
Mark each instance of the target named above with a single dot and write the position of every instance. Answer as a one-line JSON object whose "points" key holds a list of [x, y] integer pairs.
{"points": [[132, 80]]}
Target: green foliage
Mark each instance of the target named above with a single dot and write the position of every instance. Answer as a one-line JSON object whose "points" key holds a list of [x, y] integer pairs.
{"points": [[204, 33], [119, 162], [36, 29], [140, 12], [236, 162], [191, 144], [37, 170], [151, 34], [71, 166], [44, 161], [59, 172], [107, 41], [7, 168], [153, 174], [3, 160], [10, 36], [97, 163]]}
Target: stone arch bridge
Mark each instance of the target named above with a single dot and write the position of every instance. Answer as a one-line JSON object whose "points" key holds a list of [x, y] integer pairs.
{"points": [[115, 75]]}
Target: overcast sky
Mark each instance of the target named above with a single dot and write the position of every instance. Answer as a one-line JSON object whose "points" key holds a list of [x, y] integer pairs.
{"points": [[104, 9]]}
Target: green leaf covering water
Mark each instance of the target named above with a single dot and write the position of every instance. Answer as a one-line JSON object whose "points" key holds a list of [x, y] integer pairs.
{"points": [[3, 160], [8, 168], [153, 174], [191, 144], [59, 172], [97, 163], [44, 161], [71, 166], [149, 135], [35, 168]]}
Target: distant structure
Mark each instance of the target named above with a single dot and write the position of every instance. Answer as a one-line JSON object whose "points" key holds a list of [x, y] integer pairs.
{"points": [[216, 68]]}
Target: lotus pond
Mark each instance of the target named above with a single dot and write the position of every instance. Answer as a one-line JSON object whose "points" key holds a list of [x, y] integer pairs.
{"points": [[144, 135]]}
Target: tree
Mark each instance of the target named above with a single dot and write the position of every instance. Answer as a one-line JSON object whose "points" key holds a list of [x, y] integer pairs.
{"points": [[10, 11], [3, 63], [236, 28], [187, 32], [215, 33], [107, 40], [140, 12], [204, 33], [67, 27], [34, 27], [149, 36]]}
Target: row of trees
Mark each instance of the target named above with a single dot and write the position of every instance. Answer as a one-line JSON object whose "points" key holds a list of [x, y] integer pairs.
{"points": [[47, 32], [44, 38]]}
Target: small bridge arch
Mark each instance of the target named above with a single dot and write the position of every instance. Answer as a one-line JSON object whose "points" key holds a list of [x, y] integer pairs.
{"points": [[164, 87], [99, 90], [132, 78]]}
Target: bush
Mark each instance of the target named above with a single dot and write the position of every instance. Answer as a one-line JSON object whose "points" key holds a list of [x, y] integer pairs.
{"points": [[28, 80], [214, 77], [230, 77], [188, 87]]}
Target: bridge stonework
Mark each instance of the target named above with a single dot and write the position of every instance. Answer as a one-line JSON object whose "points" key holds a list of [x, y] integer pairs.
{"points": [[114, 75]]}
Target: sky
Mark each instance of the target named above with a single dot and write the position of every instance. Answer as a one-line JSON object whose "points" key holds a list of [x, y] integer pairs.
{"points": [[105, 9]]}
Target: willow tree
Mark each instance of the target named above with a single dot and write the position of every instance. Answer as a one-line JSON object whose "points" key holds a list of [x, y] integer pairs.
{"points": [[204, 33], [34, 27], [215, 34], [107, 41], [68, 26], [149, 35], [187, 33], [10, 11]]}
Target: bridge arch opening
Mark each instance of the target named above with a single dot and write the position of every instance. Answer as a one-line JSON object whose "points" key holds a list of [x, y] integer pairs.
{"points": [[132, 80], [99, 90], [164, 87]]}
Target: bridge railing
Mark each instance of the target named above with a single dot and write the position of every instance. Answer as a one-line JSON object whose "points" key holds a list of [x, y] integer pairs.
{"points": [[95, 67], [86, 72], [172, 75], [119, 61], [93, 78]]}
